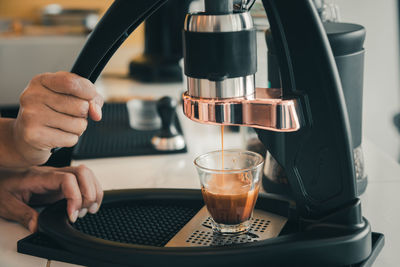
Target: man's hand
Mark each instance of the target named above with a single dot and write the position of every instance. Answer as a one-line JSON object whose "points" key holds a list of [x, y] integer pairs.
{"points": [[53, 113], [44, 185]]}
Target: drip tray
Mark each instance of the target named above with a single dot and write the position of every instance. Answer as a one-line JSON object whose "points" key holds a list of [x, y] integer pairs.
{"points": [[198, 232], [171, 227]]}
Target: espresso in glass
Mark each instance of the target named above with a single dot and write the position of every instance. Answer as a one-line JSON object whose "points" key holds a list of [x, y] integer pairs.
{"points": [[230, 199], [230, 193]]}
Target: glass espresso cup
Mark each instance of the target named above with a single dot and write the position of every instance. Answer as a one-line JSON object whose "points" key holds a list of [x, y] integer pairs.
{"points": [[230, 181]]}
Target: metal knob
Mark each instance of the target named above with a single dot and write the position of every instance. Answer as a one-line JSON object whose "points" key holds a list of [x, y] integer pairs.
{"points": [[168, 137]]}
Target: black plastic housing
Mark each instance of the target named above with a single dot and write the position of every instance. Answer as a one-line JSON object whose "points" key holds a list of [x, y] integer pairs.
{"points": [[218, 7], [347, 44], [318, 159], [346, 41], [220, 55]]}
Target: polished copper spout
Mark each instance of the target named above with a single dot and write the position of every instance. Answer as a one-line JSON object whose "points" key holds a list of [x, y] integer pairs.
{"points": [[266, 109]]}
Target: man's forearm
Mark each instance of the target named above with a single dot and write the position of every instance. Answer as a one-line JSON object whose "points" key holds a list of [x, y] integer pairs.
{"points": [[10, 156]]}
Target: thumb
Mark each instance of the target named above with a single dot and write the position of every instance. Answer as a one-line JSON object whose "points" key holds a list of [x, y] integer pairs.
{"points": [[16, 210]]}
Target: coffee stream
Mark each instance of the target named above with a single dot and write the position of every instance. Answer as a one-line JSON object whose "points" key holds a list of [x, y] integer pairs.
{"points": [[222, 153]]}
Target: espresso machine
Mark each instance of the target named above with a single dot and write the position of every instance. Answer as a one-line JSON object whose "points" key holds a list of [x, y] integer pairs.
{"points": [[303, 124]]}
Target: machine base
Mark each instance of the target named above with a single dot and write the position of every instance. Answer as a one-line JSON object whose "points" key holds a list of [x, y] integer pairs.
{"points": [[134, 227], [39, 245]]}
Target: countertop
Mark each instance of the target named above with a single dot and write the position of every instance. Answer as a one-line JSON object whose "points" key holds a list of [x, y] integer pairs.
{"points": [[177, 171]]}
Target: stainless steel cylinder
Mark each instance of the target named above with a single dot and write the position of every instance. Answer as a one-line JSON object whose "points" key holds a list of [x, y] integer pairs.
{"points": [[226, 88], [200, 22]]}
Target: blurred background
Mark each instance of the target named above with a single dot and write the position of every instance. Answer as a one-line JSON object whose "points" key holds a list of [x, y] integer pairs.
{"points": [[46, 35]]}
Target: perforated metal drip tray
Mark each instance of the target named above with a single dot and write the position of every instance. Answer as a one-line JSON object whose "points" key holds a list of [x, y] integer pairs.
{"points": [[168, 227], [198, 231]]}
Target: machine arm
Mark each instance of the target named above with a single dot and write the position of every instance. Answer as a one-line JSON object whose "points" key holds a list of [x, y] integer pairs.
{"points": [[121, 19]]}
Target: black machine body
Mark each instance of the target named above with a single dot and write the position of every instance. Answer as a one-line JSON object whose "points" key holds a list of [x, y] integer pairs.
{"points": [[318, 156], [346, 41]]}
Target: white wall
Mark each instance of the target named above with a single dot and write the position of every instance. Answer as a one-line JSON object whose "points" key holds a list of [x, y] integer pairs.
{"points": [[381, 82]]}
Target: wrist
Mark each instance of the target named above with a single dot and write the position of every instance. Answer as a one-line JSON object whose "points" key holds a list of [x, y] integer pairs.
{"points": [[10, 156], [16, 143], [28, 154]]}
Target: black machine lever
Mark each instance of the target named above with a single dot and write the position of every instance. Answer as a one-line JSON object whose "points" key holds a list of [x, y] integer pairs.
{"points": [[120, 20]]}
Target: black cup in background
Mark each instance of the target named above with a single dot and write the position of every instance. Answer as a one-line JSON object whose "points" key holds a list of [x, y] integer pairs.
{"points": [[163, 45]]}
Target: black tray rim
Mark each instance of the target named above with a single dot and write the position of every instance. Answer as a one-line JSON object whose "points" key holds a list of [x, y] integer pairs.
{"points": [[53, 221]]}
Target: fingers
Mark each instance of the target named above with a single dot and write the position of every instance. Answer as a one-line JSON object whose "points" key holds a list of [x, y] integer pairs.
{"points": [[59, 100], [74, 85], [51, 130], [78, 185], [99, 197], [66, 104], [66, 123], [71, 192], [91, 191], [96, 104], [87, 189], [69, 84], [14, 209], [56, 184], [46, 138]]}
